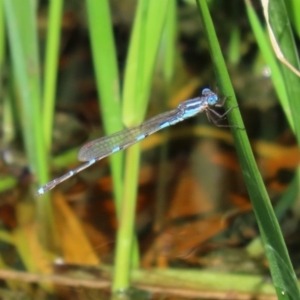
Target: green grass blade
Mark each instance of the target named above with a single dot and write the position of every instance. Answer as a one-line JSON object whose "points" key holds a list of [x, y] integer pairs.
{"points": [[169, 47], [2, 36], [234, 53], [166, 62], [21, 59], [268, 225], [124, 260], [283, 33], [143, 49], [23, 42], [144, 45], [51, 68], [7, 183], [293, 8], [105, 64], [271, 60]]}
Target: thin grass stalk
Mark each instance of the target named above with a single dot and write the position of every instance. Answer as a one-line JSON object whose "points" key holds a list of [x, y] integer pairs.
{"points": [[167, 61], [23, 42], [108, 85], [141, 60], [144, 44], [51, 69], [124, 259], [281, 26], [281, 268], [2, 37], [283, 33], [272, 62], [105, 62], [290, 195], [293, 8]]}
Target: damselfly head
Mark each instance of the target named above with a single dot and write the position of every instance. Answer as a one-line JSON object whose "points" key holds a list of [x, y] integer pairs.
{"points": [[211, 97]]}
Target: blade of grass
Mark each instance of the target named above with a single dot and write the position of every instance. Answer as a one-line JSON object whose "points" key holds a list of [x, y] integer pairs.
{"points": [[170, 34], [234, 53], [264, 44], [268, 225], [141, 58], [283, 33], [108, 86], [293, 8], [144, 44], [275, 45], [269, 56], [9, 130], [23, 42], [7, 183], [2, 36], [105, 62], [166, 61], [281, 27], [51, 68]]}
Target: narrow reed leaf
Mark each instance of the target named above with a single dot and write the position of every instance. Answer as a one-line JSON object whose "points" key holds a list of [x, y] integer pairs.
{"points": [[107, 79], [268, 224], [23, 44], [281, 27], [2, 37], [293, 8], [271, 60], [143, 49], [144, 44], [51, 68]]}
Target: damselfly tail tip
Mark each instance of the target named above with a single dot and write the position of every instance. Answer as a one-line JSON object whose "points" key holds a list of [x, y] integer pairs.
{"points": [[39, 192]]}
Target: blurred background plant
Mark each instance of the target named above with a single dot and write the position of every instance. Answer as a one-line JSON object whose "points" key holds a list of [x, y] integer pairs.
{"points": [[73, 71]]}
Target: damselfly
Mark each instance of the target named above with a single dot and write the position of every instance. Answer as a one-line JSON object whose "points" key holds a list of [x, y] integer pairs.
{"points": [[95, 150]]}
